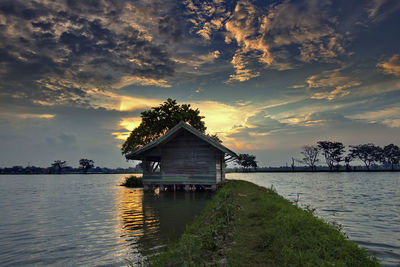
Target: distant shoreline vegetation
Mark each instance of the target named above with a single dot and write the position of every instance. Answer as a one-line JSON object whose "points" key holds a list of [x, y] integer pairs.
{"points": [[358, 168], [372, 156], [66, 170]]}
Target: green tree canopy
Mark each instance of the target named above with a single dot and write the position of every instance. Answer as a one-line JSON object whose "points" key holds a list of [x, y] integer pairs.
{"points": [[158, 120]]}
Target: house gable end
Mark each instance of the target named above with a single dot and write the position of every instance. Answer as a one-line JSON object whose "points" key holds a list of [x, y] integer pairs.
{"points": [[172, 133]]}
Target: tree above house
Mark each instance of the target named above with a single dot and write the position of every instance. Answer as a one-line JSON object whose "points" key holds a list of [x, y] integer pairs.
{"points": [[158, 120]]}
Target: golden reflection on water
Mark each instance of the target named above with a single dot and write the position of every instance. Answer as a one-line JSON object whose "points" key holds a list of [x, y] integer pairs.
{"points": [[148, 221], [141, 224]]}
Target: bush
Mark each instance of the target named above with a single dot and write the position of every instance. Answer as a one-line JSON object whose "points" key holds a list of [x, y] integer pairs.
{"points": [[132, 181]]}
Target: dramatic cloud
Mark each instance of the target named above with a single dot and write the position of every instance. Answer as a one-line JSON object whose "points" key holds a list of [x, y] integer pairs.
{"points": [[279, 36], [389, 116], [328, 80], [269, 35], [206, 17], [269, 76], [308, 26], [67, 48], [244, 28], [240, 62]]}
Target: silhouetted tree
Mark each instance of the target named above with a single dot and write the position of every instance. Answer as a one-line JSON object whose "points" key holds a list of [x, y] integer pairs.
{"points": [[215, 137], [333, 153], [158, 120], [86, 164], [310, 154], [247, 161], [347, 161], [367, 153], [391, 155], [59, 164]]}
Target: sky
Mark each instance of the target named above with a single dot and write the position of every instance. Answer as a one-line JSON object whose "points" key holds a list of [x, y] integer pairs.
{"points": [[269, 76]]}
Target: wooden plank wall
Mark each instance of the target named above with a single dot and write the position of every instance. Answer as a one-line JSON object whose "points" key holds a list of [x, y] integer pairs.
{"points": [[220, 167], [188, 156]]}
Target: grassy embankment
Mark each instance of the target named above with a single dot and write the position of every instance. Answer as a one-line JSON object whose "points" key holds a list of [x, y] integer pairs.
{"points": [[247, 225], [132, 181]]}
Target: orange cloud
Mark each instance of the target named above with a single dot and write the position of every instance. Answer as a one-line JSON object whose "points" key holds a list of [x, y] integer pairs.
{"points": [[392, 66], [121, 135], [127, 124], [130, 123], [221, 118], [135, 80], [240, 145], [242, 73], [35, 116], [331, 78], [131, 103], [389, 116]]}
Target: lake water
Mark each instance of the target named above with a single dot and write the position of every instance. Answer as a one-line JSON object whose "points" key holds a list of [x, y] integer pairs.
{"points": [[367, 205], [90, 220]]}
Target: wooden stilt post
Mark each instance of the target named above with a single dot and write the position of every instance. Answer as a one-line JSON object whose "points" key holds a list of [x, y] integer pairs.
{"points": [[187, 187]]}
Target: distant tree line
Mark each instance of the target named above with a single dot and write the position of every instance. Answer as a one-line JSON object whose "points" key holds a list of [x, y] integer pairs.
{"points": [[333, 153], [61, 167]]}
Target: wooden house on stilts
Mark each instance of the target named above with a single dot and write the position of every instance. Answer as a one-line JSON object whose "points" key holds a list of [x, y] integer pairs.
{"points": [[183, 158]]}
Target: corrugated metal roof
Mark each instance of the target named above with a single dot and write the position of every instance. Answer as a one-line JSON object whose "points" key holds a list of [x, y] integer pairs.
{"points": [[172, 131]]}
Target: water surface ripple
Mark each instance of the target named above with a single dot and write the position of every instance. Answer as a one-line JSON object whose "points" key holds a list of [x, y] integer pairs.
{"points": [[75, 220], [87, 220]]}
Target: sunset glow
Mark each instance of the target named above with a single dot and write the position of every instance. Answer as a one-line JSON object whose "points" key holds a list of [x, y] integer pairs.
{"points": [[130, 123], [131, 103], [269, 77]]}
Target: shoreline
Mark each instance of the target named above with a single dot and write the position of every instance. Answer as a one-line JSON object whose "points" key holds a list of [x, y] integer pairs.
{"points": [[316, 171], [245, 224], [247, 172], [71, 173]]}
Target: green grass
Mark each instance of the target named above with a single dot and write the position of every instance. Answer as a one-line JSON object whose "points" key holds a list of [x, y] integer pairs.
{"points": [[247, 225], [132, 181]]}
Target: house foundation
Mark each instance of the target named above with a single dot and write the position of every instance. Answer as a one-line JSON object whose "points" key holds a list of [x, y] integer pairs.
{"points": [[180, 187]]}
